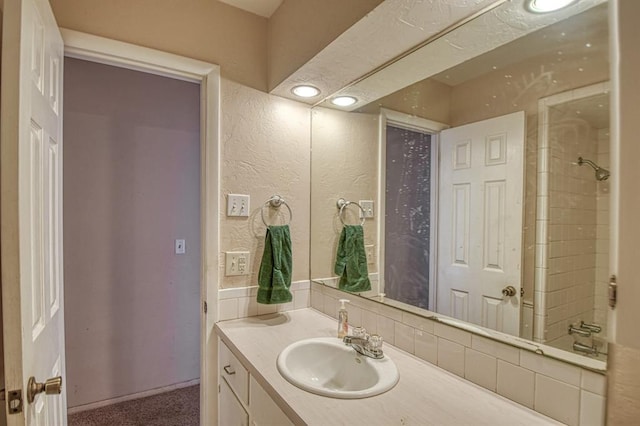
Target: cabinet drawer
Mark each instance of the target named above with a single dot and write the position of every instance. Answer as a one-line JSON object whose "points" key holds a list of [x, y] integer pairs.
{"points": [[231, 411], [233, 372]]}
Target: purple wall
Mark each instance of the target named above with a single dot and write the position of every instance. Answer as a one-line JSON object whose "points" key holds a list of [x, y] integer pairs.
{"points": [[131, 187], [407, 216]]}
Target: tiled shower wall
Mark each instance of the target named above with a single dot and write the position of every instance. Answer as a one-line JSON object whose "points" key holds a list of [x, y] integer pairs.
{"points": [[602, 235], [572, 228]]}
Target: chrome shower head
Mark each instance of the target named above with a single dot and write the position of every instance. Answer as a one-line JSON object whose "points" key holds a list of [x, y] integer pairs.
{"points": [[601, 174]]}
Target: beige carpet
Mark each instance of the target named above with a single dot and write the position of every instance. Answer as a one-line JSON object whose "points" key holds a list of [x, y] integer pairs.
{"points": [[176, 408]]}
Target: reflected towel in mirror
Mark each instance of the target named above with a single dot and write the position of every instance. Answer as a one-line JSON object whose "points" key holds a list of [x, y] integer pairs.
{"points": [[351, 260], [274, 277]]}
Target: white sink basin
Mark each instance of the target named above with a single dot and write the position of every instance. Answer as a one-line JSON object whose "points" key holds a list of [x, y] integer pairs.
{"points": [[326, 366]]}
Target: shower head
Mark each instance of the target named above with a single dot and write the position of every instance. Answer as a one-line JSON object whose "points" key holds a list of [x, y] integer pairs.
{"points": [[601, 174]]}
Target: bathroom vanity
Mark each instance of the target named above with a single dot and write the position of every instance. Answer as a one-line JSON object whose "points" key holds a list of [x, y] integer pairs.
{"points": [[252, 391]]}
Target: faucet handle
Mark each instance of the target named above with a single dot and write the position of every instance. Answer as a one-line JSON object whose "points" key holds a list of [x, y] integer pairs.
{"points": [[375, 342], [360, 332]]}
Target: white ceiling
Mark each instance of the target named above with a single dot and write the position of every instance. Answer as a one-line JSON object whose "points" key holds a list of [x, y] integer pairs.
{"points": [[259, 7]]}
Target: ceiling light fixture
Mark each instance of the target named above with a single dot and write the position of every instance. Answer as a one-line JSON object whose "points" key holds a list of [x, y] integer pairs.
{"points": [[344, 101], [305, 91], [546, 6]]}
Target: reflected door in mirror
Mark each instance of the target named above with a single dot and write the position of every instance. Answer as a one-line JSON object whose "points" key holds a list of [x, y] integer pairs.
{"points": [[480, 222]]}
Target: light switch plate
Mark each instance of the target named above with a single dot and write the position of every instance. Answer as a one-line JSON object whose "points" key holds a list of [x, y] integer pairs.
{"points": [[237, 263], [180, 247], [370, 251], [238, 205], [367, 206]]}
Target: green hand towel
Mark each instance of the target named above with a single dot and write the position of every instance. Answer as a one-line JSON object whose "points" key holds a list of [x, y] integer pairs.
{"points": [[351, 260], [274, 278]]}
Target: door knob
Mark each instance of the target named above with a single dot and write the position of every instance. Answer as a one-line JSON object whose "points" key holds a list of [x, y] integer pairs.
{"points": [[509, 291], [52, 386]]}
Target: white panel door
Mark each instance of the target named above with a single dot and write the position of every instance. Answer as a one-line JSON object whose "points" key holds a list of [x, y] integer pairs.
{"points": [[31, 164], [480, 222]]}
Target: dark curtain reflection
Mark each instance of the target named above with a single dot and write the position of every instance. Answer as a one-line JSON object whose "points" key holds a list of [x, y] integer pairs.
{"points": [[407, 216]]}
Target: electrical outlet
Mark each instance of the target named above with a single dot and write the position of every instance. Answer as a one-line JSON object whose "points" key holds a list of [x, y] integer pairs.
{"points": [[238, 205], [370, 251], [237, 263], [180, 247], [367, 206]]}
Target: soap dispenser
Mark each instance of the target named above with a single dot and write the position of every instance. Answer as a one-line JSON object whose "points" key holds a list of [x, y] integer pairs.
{"points": [[343, 319]]}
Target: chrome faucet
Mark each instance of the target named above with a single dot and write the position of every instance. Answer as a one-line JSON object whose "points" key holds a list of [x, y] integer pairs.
{"points": [[585, 349], [579, 331], [367, 346]]}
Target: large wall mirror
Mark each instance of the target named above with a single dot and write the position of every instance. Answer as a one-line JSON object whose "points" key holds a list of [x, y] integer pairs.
{"points": [[480, 161]]}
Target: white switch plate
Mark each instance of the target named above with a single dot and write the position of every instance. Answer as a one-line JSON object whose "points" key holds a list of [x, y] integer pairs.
{"points": [[180, 247], [238, 205], [370, 251], [237, 263], [367, 206]]}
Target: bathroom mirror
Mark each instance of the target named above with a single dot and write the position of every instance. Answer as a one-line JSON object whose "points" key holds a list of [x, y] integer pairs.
{"points": [[477, 207]]}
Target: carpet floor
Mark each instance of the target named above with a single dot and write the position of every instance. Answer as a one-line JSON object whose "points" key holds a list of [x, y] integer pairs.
{"points": [[180, 407]]}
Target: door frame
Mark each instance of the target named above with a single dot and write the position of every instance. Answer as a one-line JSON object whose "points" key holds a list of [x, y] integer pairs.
{"points": [[422, 125], [124, 55]]}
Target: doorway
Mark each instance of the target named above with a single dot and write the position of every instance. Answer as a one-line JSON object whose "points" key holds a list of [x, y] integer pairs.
{"points": [[132, 196]]}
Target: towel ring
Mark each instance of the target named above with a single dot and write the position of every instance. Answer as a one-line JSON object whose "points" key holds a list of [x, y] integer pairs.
{"points": [[342, 204], [276, 201]]}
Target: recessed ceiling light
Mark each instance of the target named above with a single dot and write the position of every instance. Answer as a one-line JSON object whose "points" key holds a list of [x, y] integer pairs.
{"points": [[344, 101], [305, 91], [545, 6]]}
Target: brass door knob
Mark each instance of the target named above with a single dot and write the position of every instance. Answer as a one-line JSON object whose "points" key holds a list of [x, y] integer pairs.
{"points": [[52, 386], [509, 291]]}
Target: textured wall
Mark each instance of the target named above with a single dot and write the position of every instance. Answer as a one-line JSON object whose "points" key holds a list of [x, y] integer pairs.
{"points": [[265, 151], [201, 29], [300, 29], [131, 187], [345, 165]]}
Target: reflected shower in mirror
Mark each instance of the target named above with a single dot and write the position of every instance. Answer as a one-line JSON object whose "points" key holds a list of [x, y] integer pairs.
{"points": [[475, 216]]}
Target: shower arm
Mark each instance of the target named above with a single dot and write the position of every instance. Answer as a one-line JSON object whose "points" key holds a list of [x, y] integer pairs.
{"points": [[582, 161]]}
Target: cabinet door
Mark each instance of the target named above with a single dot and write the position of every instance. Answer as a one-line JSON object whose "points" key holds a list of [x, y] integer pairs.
{"points": [[264, 411], [231, 412]]}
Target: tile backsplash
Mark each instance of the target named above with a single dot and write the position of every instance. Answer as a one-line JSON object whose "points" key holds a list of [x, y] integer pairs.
{"points": [[563, 391]]}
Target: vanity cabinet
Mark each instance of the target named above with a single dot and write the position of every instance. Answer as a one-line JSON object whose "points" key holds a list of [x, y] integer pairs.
{"points": [[241, 399]]}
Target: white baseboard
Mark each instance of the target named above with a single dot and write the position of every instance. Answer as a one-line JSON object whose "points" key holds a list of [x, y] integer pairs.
{"points": [[151, 392]]}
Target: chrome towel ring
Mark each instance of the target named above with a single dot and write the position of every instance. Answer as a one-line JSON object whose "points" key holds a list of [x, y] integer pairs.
{"points": [[342, 204], [276, 201]]}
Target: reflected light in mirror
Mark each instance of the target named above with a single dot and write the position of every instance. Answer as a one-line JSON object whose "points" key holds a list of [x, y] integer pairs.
{"points": [[344, 101], [545, 6], [305, 91]]}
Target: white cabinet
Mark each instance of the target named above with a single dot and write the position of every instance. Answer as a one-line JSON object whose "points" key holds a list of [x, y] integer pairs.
{"points": [[241, 399]]}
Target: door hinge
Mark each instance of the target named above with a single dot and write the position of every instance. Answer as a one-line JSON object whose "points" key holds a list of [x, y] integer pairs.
{"points": [[14, 401], [204, 306], [613, 292], [521, 291]]}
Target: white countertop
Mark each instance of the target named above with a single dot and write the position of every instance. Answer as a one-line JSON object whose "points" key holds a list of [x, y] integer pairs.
{"points": [[425, 394]]}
